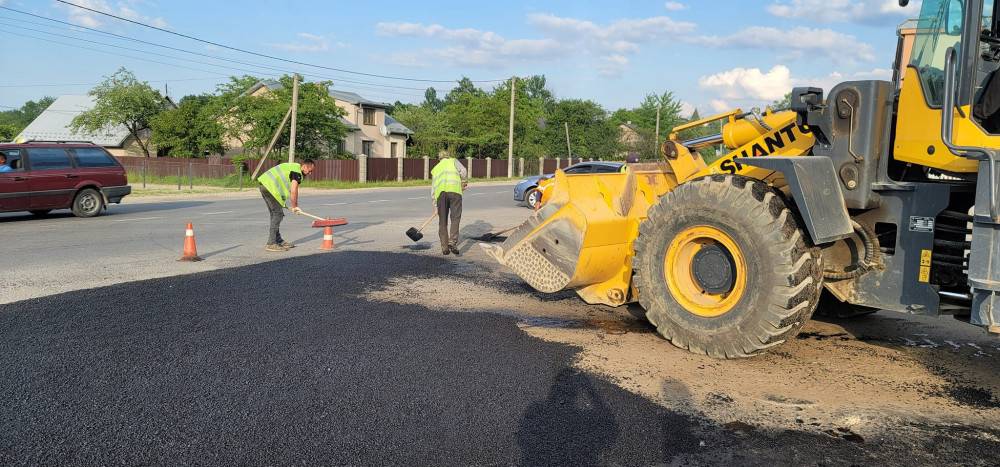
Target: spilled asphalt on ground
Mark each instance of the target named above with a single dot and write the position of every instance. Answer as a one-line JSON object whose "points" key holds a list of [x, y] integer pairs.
{"points": [[287, 362]]}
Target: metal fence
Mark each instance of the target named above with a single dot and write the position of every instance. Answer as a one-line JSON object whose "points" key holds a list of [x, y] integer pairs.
{"points": [[377, 169]]}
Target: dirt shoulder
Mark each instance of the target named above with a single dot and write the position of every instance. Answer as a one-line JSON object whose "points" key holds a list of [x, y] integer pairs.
{"points": [[854, 380]]}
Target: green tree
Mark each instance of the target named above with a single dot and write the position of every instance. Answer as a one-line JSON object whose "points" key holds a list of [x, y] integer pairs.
{"points": [[431, 131], [15, 120], [190, 130], [431, 100], [123, 100], [591, 133], [784, 103], [319, 129], [8, 132], [644, 118]]}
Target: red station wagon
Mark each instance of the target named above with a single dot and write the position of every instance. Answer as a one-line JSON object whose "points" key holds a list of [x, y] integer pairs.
{"points": [[46, 176]]}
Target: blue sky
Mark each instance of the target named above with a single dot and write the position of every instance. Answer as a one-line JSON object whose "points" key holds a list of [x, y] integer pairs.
{"points": [[713, 54]]}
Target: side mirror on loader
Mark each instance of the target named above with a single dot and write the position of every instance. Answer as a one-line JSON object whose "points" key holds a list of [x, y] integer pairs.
{"points": [[808, 105], [904, 2]]}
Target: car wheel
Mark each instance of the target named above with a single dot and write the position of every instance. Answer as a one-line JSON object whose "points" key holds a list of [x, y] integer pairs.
{"points": [[40, 212], [532, 198], [88, 203]]}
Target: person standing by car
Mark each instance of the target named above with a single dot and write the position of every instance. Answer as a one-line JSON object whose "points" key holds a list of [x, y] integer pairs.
{"points": [[3, 164], [280, 189], [447, 186]]}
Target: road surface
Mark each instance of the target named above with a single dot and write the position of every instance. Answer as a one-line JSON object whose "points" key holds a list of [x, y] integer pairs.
{"points": [[386, 352], [142, 238]]}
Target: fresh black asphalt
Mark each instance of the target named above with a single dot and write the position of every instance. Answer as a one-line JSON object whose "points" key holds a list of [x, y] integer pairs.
{"points": [[286, 362]]}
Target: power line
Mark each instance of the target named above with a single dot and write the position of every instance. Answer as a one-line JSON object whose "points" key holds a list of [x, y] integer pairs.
{"points": [[255, 72], [123, 37], [67, 85], [205, 41]]}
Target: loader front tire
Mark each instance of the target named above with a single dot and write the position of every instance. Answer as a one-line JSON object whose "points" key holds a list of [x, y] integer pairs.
{"points": [[723, 268]]}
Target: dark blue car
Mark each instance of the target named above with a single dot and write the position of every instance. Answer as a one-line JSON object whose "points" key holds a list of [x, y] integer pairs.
{"points": [[526, 192]]}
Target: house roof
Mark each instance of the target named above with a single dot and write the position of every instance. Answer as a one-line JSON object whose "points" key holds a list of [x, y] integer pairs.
{"points": [[350, 126], [395, 127], [268, 83], [54, 124], [356, 99]]}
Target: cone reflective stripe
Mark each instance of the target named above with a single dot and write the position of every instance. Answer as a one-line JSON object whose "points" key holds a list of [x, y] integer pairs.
{"points": [[327, 238], [190, 248]]}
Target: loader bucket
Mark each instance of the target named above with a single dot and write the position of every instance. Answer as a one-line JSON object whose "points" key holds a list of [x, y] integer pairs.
{"points": [[581, 238]]}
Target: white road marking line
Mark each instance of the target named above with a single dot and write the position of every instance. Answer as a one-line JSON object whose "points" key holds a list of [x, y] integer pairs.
{"points": [[418, 197], [137, 219], [335, 204], [216, 213], [479, 194], [499, 192], [380, 201]]}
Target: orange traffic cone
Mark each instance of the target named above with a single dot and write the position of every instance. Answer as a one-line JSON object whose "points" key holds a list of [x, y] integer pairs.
{"points": [[327, 239], [190, 249]]}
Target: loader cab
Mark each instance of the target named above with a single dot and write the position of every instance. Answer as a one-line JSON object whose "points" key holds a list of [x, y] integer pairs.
{"points": [[968, 33]]}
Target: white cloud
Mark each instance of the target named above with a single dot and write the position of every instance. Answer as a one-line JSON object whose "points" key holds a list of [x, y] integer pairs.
{"points": [[675, 6], [308, 43], [795, 43], [610, 43], [855, 11], [719, 105], [687, 109], [752, 86], [750, 83], [125, 8]]}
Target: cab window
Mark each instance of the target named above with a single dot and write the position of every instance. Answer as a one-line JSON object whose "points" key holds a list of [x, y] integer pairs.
{"points": [[938, 28], [48, 159]]}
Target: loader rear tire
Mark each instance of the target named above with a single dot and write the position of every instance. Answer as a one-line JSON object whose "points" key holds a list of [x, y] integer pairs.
{"points": [[749, 280]]}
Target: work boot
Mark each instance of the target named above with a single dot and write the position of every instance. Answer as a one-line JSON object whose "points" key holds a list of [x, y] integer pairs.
{"points": [[445, 251], [286, 245], [275, 248], [454, 250]]}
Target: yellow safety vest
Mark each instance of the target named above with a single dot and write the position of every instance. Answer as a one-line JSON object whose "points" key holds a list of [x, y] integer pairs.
{"points": [[278, 181], [446, 178]]}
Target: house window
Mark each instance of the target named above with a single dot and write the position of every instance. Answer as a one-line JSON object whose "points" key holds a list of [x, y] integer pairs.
{"points": [[341, 147], [392, 149], [369, 116], [366, 147]]}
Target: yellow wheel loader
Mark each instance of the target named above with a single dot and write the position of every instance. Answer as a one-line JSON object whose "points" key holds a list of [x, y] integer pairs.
{"points": [[880, 196]]}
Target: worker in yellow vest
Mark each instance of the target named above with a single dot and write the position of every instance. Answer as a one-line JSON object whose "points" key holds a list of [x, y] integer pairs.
{"points": [[447, 185], [280, 189]]}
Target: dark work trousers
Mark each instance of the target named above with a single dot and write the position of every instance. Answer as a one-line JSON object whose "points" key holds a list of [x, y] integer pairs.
{"points": [[277, 214], [449, 205]]}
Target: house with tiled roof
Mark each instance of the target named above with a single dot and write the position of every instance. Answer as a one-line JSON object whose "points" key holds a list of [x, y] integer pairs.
{"points": [[370, 129], [54, 124]]}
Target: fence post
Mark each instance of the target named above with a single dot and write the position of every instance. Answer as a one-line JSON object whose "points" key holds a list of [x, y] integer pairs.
{"points": [[399, 169], [541, 166], [190, 175], [468, 175], [558, 160], [179, 177], [241, 177], [427, 167], [362, 168], [144, 172], [489, 168], [520, 166]]}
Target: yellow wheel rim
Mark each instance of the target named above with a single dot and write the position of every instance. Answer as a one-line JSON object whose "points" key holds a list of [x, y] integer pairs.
{"points": [[683, 282]]}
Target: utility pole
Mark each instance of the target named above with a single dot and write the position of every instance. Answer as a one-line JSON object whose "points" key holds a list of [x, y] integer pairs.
{"points": [[510, 135], [568, 148], [295, 111], [656, 149]]}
